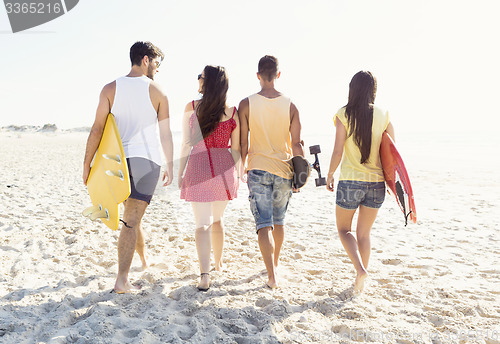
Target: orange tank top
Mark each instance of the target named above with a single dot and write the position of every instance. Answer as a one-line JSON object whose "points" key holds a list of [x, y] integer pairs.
{"points": [[270, 143]]}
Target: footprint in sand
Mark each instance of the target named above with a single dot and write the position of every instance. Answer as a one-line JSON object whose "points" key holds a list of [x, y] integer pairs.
{"points": [[435, 320], [383, 281], [9, 248], [351, 314], [299, 247], [442, 273], [392, 261], [342, 330], [249, 254], [131, 333], [263, 302], [315, 272], [106, 263], [162, 266], [237, 326], [446, 294], [279, 309], [327, 307], [345, 295]]}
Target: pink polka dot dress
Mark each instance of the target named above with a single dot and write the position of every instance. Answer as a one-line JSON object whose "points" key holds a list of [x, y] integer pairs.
{"points": [[211, 173]]}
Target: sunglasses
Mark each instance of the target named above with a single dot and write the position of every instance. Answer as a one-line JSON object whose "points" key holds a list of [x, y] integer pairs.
{"points": [[158, 63], [200, 77]]}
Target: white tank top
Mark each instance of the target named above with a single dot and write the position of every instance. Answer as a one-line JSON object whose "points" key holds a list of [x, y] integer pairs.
{"points": [[137, 119]]}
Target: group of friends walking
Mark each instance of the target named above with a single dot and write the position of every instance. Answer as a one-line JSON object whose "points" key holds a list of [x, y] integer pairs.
{"points": [[222, 145]]}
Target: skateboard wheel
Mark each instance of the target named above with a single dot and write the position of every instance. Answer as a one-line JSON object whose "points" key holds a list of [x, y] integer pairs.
{"points": [[314, 149]]}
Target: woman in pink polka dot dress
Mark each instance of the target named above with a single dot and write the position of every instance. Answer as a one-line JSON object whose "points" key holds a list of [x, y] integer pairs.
{"points": [[208, 172]]}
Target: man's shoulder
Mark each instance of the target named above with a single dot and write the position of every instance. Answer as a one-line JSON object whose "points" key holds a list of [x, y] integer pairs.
{"points": [[275, 96], [109, 89], [244, 103], [155, 89]]}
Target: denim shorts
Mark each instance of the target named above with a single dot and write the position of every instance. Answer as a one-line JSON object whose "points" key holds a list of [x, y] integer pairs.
{"points": [[269, 196], [351, 194], [144, 176]]}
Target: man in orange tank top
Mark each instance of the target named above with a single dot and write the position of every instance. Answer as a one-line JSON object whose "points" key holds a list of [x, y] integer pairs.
{"points": [[273, 124]]}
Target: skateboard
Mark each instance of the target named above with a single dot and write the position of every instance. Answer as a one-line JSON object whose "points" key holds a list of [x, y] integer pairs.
{"points": [[320, 181], [301, 171]]}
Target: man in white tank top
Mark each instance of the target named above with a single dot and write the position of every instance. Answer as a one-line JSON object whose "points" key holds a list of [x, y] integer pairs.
{"points": [[142, 116], [273, 123]]}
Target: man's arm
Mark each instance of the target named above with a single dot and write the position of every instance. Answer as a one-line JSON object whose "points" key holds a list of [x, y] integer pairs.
{"points": [[103, 109], [236, 144], [295, 128], [243, 113], [187, 141], [165, 132]]}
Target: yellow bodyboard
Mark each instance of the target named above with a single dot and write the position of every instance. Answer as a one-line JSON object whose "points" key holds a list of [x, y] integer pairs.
{"points": [[109, 182]]}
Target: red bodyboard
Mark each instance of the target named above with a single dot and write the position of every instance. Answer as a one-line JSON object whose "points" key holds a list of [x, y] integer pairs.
{"points": [[396, 177]]}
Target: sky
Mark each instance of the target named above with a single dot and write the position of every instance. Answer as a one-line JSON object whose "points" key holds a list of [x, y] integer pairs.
{"points": [[436, 62]]}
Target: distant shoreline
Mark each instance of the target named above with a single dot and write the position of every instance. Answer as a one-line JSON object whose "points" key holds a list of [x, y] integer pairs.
{"points": [[50, 128], [46, 128]]}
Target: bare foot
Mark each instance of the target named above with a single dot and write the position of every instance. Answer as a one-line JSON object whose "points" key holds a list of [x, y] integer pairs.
{"points": [[220, 267], [204, 284], [144, 262], [272, 282], [272, 285], [126, 288], [359, 283]]}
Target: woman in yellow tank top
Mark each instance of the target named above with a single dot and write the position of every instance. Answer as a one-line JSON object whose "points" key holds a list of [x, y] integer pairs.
{"points": [[359, 129]]}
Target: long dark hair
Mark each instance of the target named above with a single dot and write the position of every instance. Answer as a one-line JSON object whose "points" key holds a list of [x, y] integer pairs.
{"points": [[212, 105], [359, 111]]}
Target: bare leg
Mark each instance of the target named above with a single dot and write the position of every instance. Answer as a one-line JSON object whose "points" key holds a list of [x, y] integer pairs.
{"points": [[266, 245], [132, 215], [202, 212], [344, 222], [279, 237], [218, 232], [218, 244], [139, 248], [366, 219], [203, 248]]}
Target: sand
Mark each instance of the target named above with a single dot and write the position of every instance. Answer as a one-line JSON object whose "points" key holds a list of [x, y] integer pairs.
{"points": [[433, 282]]}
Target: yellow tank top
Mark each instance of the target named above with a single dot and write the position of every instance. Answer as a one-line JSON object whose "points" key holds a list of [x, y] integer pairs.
{"points": [[351, 167], [270, 143]]}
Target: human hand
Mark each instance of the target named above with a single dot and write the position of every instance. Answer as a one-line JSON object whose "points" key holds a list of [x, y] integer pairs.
{"points": [[330, 183], [168, 177], [244, 177], [86, 172], [180, 180]]}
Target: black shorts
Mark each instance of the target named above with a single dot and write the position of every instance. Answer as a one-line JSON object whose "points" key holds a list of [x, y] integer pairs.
{"points": [[144, 176]]}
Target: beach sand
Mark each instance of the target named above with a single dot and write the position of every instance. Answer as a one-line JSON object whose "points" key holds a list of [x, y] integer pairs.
{"points": [[437, 281]]}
